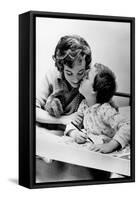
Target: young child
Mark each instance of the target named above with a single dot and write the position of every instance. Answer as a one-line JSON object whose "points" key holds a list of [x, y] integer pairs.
{"points": [[102, 122]]}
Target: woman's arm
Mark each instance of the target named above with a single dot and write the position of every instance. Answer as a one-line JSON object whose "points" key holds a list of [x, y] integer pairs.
{"points": [[43, 94], [43, 116]]}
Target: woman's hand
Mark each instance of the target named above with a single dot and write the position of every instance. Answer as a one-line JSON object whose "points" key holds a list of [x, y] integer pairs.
{"points": [[78, 136], [76, 118], [106, 147], [54, 107]]}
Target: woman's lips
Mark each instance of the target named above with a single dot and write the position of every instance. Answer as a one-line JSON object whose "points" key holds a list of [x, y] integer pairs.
{"points": [[75, 84]]}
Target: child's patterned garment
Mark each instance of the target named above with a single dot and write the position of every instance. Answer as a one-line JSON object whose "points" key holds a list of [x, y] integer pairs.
{"points": [[105, 122]]}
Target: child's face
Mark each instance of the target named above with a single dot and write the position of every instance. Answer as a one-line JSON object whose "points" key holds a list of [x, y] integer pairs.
{"points": [[86, 86], [75, 75]]}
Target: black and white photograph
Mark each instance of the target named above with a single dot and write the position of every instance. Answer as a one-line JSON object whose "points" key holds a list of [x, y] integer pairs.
{"points": [[83, 100]]}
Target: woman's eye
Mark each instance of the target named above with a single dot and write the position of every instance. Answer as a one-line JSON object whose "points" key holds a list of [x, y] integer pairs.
{"points": [[69, 74], [81, 73]]}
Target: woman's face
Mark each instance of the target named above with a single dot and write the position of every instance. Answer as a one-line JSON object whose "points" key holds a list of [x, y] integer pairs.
{"points": [[75, 75], [86, 86]]}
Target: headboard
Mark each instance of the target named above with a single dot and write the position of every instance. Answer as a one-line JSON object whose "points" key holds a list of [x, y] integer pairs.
{"points": [[122, 99]]}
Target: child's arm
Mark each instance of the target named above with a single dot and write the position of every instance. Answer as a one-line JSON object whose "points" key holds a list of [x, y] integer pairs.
{"points": [[118, 123], [72, 131], [77, 122]]}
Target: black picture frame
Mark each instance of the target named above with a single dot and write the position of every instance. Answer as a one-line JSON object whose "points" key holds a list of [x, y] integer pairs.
{"points": [[27, 86]]}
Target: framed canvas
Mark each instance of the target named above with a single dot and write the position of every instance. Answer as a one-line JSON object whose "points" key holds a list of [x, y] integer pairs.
{"points": [[76, 99]]}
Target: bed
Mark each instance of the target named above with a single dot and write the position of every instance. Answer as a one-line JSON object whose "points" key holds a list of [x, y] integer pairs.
{"points": [[50, 145]]}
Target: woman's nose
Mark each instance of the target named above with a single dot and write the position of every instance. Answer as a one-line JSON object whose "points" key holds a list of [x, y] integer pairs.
{"points": [[75, 79]]}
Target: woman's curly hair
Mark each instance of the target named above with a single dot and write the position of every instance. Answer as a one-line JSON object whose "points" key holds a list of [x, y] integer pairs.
{"points": [[69, 49], [104, 83]]}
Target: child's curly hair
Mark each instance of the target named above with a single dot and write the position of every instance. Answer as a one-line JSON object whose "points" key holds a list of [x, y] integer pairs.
{"points": [[69, 49], [104, 83]]}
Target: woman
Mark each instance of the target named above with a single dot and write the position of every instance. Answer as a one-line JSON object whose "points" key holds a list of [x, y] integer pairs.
{"points": [[57, 102], [72, 59]]}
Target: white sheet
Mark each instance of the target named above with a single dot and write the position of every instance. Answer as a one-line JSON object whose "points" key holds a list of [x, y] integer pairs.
{"points": [[51, 145]]}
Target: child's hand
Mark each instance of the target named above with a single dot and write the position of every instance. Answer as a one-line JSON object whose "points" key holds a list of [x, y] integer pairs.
{"points": [[106, 147], [78, 136]]}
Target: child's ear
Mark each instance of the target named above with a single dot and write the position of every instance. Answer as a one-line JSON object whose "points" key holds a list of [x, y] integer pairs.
{"points": [[87, 72]]}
